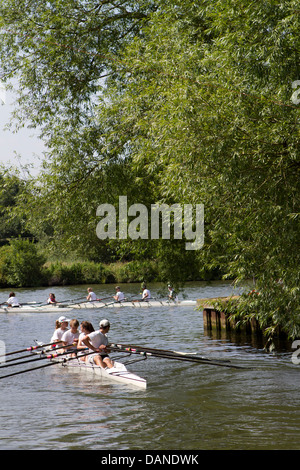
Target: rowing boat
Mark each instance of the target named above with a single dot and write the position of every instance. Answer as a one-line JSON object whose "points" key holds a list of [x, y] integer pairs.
{"points": [[30, 308], [118, 373], [135, 303]]}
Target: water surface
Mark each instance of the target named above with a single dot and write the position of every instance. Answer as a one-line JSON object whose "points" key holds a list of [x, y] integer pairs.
{"points": [[186, 406]]}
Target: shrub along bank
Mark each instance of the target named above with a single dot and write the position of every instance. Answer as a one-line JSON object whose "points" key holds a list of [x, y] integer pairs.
{"points": [[22, 265]]}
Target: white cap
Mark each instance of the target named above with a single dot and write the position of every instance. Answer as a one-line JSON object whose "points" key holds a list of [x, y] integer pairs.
{"points": [[104, 323], [63, 319]]}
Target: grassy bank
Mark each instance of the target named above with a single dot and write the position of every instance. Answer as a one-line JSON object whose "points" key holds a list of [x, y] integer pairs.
{"points": [[60, 273], [23, 265], [88, 272]]}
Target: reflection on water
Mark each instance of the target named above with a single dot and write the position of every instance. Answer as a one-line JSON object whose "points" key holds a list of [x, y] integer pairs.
{"points": [[186, 406]]}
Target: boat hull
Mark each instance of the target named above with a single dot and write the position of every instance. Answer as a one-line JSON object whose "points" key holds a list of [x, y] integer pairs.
{"points": [[136, 304], [62, 309], [118, 373]]}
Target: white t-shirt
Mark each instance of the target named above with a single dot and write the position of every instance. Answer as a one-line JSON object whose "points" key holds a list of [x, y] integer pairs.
{"points": [[58, 334], [69, 337], [120, 296], [13, 301], [97, 339], [81, 336], [92, 296], [146, 291]]}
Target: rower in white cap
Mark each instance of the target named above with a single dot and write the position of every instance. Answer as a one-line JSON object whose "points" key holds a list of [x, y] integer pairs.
{"points": [[61, 326], [97, 341]]}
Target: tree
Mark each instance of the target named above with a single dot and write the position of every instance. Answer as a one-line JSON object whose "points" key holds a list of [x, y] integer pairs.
{"points": [[208, 98], [196, 108], [11, 188], [21, 264]]}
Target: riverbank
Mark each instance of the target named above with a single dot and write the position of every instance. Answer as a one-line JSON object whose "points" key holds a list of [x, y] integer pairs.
{"points": [[59, 273]]}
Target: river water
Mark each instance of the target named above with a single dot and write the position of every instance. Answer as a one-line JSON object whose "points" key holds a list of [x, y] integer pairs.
{"points": [[186, 406]]}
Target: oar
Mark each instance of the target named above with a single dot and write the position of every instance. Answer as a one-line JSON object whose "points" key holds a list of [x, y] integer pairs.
{"points": [[107, 304], [55, 348], [41, 367], [57, 303], [19, 361], [71, 300], [28, 370], [111, 303], [172, 355], [131, 347], [195, 359], [30, 348], [154, 351]]}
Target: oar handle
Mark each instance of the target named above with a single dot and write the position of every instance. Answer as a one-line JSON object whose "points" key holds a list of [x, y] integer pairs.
{"points": [[44, 365], [30, 348]]}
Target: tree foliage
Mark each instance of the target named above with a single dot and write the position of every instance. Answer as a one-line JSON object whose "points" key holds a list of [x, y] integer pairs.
{"points": [[11, 188], [21, 264], [195, 107]]}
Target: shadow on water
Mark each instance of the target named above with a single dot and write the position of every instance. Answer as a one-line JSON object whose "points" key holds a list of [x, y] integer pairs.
{"points": [[242, 338]]}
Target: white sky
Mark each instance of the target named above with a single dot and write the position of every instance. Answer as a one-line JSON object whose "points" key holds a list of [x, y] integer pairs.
{"points": [[23, 146]]}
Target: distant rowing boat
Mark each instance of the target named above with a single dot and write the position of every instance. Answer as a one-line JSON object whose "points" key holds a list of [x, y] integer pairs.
{"points": [[31, 308], [136, 303]]}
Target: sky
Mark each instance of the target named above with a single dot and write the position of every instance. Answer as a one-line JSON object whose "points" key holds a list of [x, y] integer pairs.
{"points": [[22, 147]]}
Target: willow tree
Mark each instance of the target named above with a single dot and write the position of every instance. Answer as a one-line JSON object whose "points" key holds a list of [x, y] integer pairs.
{"points": [[209, 97], [61, 54]]}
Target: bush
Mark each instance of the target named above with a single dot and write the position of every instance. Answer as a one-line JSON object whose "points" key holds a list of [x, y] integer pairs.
{"points": [[58, 273], [135, 271], [21, 264]]}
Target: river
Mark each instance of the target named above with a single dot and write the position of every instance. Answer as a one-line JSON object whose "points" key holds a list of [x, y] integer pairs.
{"points": [[186, 406]]}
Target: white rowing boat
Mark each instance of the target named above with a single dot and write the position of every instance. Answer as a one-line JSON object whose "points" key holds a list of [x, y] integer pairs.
{"points": [[118, 373], [136, 304], [30, 308], [64, 308]]}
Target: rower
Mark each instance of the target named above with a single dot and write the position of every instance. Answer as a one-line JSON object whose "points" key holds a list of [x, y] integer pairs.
{"points": [[172, 294], [12, 301], [119, 295], [97, 342], [70, 337], [146, 294], [86, 327], [61, 326], [91, 295], [51, 299]]}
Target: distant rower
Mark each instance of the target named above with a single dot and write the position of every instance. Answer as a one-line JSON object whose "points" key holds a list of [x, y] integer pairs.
{"points": [[172, 294], [119, 295], [91, 295], [12, 301], [146, 294]]}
